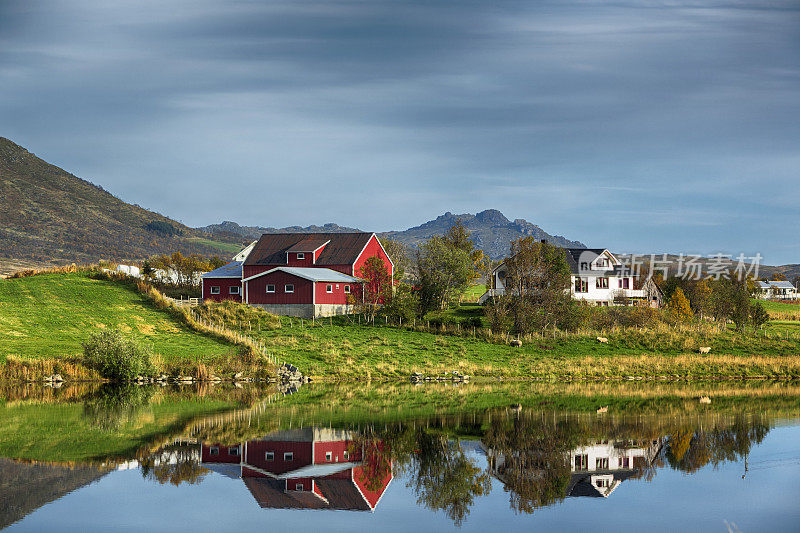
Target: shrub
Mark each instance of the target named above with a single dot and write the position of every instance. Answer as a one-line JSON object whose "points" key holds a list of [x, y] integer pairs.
{"points": [[116, 358]]}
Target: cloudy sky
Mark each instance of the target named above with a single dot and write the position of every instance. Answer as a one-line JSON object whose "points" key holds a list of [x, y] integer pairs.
{"points": [[636, 125]]}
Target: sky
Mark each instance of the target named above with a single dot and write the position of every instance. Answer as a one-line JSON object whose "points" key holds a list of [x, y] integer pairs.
{"points": [[640, 126]]}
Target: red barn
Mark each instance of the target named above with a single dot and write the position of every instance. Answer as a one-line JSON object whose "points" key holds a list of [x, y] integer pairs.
{"points": [[224, 283], [308, 274]]}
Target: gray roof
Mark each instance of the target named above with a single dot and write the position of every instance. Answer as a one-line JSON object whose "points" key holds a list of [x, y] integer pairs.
{"points": [[576, 256], [313, 274], [231, 270], [775, 285]]}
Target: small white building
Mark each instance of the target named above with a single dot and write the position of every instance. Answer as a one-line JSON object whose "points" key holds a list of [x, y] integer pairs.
{"points": [[598, 277], [776, 290]]}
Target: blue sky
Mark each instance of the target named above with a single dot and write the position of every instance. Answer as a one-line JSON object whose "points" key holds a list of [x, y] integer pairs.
{"points": [[642, 126]]}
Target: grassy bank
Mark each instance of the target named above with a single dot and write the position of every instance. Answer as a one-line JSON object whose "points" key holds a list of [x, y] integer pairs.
{"points": [[341, 348]]}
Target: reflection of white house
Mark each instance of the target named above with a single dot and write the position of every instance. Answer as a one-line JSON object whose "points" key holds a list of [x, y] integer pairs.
{"points": [[599, 468], [776, 290], [597, 277]]}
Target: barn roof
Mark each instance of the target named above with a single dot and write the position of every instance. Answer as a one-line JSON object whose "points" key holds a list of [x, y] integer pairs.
{"points": [[311, 274], [231, 270], [337, 493], [775, 284], [342, 248]]}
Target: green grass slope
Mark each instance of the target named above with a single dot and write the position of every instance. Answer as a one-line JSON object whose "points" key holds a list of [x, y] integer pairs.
{"points": [[51, 315]]}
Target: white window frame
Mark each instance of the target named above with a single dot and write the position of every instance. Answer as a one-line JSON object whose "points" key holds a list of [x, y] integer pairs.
{"points": [[214, 289], [329, 456], [288, 456], [273, 288], [347, 289], [301, 255], [298, 487], [287, 290], [346, 454], [269, 456], [214, 450], [329, 288], [233, 450], [235, 290]]}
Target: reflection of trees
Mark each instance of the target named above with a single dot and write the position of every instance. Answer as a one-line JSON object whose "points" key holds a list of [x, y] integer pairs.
{"points": [[174, 464], [376, 463], [114, 405], [690, 450], [536, 469], [442, 475]]}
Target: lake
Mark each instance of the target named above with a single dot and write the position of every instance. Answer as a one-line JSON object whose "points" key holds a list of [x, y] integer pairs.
{"points": [[519, 456]]}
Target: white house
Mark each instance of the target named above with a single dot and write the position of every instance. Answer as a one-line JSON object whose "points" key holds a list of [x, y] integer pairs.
{"points": [[597, 277], [776, 290]]}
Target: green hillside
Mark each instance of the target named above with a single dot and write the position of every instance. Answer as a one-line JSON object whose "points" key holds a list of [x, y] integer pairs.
{"points": [[51, 315], [49, 216]]}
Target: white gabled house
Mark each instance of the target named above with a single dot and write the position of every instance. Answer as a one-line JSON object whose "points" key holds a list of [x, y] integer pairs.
{"points": [[776, 290], [598, 277]]}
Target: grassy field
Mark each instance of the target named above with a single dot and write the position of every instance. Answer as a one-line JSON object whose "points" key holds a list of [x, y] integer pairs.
{"points": [[344, 349], [227, 247], [51, 315]]}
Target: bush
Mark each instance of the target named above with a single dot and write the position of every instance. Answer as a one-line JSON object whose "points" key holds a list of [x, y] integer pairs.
{"points": [[115, 358]]}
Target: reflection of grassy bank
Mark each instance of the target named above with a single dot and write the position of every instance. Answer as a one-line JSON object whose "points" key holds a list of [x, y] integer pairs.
{"points": [[386, 404], [100, 425]]}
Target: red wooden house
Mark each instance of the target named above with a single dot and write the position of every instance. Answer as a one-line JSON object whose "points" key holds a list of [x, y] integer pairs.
{"points": [[308, 274], [224, 283], [310, 468]]}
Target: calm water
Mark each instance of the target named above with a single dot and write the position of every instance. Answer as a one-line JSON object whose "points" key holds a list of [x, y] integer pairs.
{"points": [[293, 463]]}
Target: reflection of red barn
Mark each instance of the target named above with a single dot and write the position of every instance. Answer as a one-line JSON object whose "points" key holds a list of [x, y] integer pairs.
{"points": [[309, 468]]}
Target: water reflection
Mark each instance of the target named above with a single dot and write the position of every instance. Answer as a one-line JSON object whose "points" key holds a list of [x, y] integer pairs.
{"points": [[309, 468], [507, 463]]}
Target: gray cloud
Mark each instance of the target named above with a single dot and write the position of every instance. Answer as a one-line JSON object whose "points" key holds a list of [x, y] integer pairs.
{"points": [[635, 125]]}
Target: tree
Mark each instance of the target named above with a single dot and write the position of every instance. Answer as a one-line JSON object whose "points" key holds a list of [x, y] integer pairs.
{"points": [[678, 306], [403, 305], [375, 291], [758, 315], [446, 265], [400, 256], [701, 297], [537, 284]]}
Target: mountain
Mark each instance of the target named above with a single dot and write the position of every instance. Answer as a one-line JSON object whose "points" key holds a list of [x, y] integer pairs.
{"points": [[491, 231], [49, 216], [228, 229]]}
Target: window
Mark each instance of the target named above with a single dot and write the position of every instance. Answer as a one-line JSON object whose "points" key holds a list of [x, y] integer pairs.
{"points": [[270, 288], [214, 290], [233, 450], [288, 288], [328, 288], [624, 462], [624, 283], [234, 290], [602, 483], [347, 289], [214, 450], [301, 255], [346, 455], [328, 456], [601, 463], [269, 456], [581, 285], [288, 456], [582, 462], [602, 283], [298, 487]]}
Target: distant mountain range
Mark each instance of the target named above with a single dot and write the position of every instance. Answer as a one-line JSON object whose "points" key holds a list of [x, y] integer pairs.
{"points": [[51, 217], [491, 231]]}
